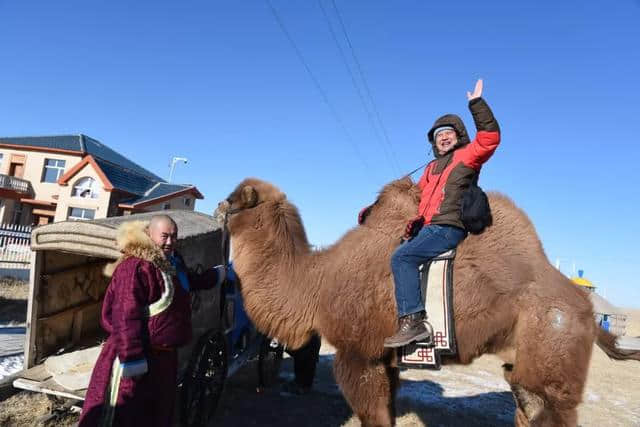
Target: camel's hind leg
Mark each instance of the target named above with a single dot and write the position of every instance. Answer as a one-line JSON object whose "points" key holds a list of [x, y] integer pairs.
{"points": [[369, 387], [533, 411], [550, 369]]}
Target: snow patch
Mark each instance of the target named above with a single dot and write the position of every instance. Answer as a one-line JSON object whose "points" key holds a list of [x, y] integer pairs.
{"points": [[10, 365]]}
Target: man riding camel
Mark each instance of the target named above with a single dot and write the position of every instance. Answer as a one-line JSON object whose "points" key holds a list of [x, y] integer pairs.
{"points": [[438, 226]]}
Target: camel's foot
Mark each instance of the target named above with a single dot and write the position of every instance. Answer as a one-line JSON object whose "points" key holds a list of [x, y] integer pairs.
{"points": [[533, 411], [529, 403]]}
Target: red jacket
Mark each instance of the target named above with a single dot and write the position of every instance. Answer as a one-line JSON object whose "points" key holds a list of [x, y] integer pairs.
{"points": [[445, 178]]}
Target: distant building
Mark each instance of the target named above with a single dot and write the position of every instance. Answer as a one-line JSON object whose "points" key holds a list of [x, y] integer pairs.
{"points": [[608, 317], [55, 178], [583, 282]]}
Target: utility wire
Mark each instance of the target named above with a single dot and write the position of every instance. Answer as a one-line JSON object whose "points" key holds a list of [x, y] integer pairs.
{"points": [[364, 80], [391, 160], [325, 98]]}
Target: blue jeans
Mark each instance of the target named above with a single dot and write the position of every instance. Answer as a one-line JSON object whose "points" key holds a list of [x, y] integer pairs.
{"points": [[430, 242]]}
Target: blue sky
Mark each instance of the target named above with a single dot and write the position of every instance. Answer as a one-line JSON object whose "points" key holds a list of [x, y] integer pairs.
{"points": [[219, 83]]}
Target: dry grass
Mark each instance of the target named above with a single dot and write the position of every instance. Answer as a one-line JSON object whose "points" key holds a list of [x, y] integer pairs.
{"points": [[12, 289], [23, 409], [13, 301]]}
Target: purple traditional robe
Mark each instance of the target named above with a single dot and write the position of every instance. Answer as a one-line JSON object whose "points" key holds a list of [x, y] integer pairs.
{"points": [[138, 330]]}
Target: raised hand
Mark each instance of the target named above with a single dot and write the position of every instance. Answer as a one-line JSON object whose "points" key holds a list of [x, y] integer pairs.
{"points": [[477, 92]]}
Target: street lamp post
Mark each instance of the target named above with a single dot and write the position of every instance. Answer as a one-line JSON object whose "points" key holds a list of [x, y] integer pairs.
{"points": [[173, 165]]}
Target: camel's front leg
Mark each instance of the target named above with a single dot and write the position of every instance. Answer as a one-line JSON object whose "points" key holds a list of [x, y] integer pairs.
{"points": [[369, 387]]}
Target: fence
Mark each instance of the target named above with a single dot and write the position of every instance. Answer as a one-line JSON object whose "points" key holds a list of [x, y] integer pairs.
{"points": [[15, 245], [16, 184]]}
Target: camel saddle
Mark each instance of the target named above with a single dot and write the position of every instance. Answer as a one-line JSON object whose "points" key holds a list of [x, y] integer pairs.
{"points": [[436, 278]]}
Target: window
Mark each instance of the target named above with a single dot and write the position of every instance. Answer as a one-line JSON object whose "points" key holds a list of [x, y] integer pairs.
{"points": [[17, 213], [86, 188], [81, 214], [166, 206], [187, 201], [53, 170]]}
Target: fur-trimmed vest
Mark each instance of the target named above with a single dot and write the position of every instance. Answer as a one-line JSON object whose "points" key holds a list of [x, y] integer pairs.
{"points": [[144, 305]]}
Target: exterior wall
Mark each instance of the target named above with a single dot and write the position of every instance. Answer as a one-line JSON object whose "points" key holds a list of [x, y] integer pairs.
{"points": [[33, 169], [66, 201], [105, 205], [33, 172], [175, 203]]}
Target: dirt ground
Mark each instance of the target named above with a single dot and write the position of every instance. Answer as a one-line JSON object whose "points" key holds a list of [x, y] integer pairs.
{"points": [[474, 395]]}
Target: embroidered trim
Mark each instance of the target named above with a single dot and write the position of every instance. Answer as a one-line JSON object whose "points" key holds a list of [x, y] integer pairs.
{"points": [[165, 299], [114, 386]]}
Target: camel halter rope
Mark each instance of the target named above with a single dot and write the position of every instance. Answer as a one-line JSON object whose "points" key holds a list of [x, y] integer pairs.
{"points": [[402, 240], [228, 213]]}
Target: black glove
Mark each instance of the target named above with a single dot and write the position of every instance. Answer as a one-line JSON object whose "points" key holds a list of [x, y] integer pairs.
{"points": [[413, 227], [364, 213]]}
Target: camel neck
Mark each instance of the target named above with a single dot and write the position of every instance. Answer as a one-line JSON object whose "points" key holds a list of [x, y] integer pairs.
{"points": [[273, 260]]}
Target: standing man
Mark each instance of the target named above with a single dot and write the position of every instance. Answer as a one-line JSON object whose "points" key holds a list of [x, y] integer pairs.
{"points": [[438, 226], [147, 313]]}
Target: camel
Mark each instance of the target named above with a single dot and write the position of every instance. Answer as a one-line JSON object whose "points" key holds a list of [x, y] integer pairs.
{"points": [[508, 300]]}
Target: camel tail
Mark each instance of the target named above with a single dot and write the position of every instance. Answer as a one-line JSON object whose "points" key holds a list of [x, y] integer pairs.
{"points": [[607, 342]]}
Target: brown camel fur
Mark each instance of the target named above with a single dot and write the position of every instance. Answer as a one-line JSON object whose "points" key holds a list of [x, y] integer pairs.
{"points": [[508, 300]]}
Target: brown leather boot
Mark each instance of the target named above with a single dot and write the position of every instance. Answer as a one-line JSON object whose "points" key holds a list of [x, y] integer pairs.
{"points": [[412, 327]]}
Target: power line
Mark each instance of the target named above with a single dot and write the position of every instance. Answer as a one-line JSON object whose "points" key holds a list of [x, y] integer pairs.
{"points": [[391, 160], [364, 80], [325, 98]]}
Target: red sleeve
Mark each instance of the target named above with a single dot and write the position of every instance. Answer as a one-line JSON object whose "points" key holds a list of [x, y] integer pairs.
{"points": [[129, 312], [480, 149]]}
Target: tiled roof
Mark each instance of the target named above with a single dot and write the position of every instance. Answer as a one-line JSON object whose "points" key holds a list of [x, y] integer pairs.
{"points": [[60, 142], [159, 190], [100, 151], [82, 144], [125, 179]]}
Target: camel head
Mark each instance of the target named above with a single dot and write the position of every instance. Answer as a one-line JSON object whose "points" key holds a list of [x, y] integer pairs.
{"points": [[259, 205], [250, 193], [396, 203]]}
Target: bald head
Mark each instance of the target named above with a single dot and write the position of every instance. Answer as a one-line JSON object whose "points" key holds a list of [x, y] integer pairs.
{"points": [[163, 230]]}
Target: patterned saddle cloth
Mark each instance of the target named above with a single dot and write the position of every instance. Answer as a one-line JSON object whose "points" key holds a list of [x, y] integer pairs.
{"points": [[436, 278]]}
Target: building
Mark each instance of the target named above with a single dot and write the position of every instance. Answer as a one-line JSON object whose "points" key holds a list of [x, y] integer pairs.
{"points": [[55, 178], [607, 316], [582, 281]]}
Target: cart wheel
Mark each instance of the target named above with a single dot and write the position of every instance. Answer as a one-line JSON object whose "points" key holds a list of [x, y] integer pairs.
{"points": [[269, 361], [204, 380]]}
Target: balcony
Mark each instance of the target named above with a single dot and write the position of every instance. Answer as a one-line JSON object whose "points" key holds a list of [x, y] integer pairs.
{"points": [[14, 188]]}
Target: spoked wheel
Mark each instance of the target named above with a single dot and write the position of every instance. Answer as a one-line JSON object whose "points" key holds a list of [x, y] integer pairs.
{"points": [[204, 380], [269, 361]]}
